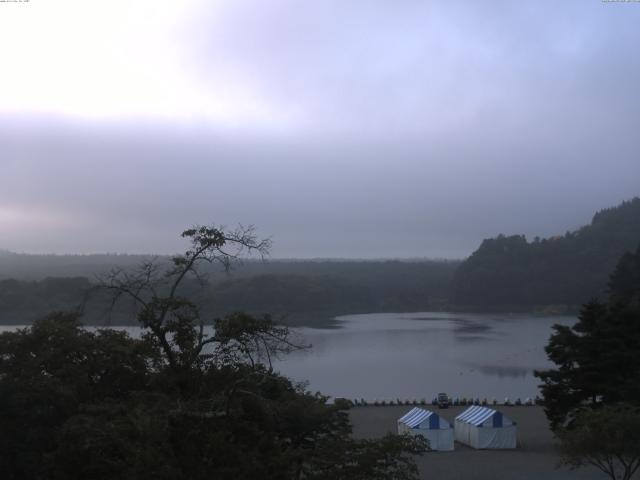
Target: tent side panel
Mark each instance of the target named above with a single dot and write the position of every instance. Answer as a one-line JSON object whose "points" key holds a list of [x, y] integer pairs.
{"points": [[445, 440], [464, 433], [439, 440], [459, 429], [475, 436], [498, 438]]}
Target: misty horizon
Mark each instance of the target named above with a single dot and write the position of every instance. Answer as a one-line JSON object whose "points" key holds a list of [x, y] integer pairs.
{"points": [[269, 257], [412, 130]]}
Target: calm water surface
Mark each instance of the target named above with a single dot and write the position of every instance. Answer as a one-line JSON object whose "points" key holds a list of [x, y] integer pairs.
{"points": [[416, 355]]}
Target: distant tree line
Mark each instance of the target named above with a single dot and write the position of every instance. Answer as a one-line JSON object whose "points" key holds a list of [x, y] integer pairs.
{"points": [[300, 292], [506, 273], [509, 272]]}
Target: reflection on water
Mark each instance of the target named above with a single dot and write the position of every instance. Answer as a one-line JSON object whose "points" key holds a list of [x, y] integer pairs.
{"points": [[470, 338], [504, 371], [418, 355], [467, 326]]}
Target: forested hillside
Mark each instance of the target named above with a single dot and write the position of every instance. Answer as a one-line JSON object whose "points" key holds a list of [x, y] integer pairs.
{"points": [[303, 292], [22, 266], [509, 272], [505, 273]]}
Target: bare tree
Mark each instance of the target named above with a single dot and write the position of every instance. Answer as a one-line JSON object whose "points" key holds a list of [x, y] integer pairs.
{"points": [[173, 320], [242, 338]]}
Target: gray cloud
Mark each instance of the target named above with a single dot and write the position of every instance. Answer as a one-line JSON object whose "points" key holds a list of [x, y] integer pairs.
{"points": [[415, 129]]}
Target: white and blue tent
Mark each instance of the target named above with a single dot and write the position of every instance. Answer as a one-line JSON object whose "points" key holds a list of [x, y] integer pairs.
{"points": [[482, 427], [430, 425]]}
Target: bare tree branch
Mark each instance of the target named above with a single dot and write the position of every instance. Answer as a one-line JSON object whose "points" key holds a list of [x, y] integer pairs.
{"points": [[175, 321]]}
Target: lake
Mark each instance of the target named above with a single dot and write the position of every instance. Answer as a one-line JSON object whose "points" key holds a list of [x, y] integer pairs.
{"points": [[416, 355]]}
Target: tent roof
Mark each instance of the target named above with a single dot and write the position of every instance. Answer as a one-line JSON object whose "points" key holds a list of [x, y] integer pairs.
{"points": [[476, 415], [415, 416]]}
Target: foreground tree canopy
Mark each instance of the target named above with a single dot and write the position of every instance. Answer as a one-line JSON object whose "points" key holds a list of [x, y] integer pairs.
{"points": [[607, 438], [592, 398], [185, 401], [598, 358]]}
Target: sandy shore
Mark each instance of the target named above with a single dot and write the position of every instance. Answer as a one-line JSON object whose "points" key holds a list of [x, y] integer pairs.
{"points": [[534, 459]]}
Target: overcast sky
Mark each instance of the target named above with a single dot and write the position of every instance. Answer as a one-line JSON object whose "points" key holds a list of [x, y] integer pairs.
{"points": [[344, 128]]}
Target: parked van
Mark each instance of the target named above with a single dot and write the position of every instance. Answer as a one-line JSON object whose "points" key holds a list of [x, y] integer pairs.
{"points": [[443, 400]]}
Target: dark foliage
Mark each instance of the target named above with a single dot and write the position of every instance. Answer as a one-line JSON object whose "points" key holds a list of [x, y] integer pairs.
{"points": [[508, 272], [76, 404], [607, 438], [179, 403], [296, 292], [48, 372], [598, 358], [24, 301]]}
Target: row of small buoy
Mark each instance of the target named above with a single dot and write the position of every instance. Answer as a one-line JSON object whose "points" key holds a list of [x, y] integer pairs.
{"points": [[458, 401]]}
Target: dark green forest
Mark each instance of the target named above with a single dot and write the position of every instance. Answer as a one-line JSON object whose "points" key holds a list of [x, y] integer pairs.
{"points": [[592, 395], [298, 292], [557, 273]]}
